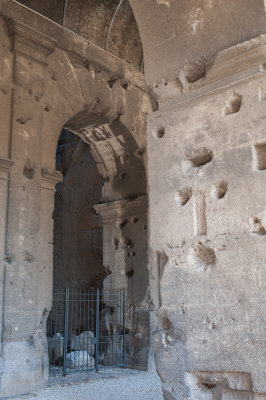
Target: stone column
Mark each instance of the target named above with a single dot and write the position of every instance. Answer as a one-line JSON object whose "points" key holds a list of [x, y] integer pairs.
{"points": [[23, 346], [125, 255]]}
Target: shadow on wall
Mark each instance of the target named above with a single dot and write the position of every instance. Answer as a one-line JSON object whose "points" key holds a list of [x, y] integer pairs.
{"points": [[78, 231]]}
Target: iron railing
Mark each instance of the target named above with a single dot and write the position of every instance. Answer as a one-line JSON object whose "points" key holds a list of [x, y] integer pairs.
{"points": [[86, 330]]}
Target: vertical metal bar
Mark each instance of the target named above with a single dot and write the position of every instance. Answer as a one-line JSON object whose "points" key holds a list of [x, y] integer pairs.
{"points": [[124, 328], [97, 331], [66, 331]]}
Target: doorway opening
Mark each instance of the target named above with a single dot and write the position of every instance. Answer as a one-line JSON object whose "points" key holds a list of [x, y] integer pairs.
{"points": [[86, 322], [78, 230]]}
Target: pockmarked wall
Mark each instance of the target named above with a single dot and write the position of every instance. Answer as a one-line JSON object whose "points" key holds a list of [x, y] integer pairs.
{"points": [[206, 174]]}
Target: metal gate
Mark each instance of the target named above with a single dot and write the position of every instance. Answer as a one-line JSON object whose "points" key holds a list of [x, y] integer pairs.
{"points": [[86, 330]]}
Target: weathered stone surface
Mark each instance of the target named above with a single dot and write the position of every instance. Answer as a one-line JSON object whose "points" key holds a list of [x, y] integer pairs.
{"points": [[201, 296], [229, 258], [55, 347]]}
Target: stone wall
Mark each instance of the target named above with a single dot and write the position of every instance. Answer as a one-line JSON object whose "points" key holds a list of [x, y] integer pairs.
{"points": [[176, 33], [206, 150]]}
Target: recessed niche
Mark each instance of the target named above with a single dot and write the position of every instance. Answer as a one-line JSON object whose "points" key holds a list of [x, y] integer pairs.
{"points": [[232, 105], [259, 156]]}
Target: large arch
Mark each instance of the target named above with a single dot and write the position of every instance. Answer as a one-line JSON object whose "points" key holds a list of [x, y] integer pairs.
{"points": [[105, 104], [109, 24], [177, 33]]}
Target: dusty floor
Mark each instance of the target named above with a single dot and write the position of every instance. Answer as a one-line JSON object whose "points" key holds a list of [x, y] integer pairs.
{"points": [[109, 385]]}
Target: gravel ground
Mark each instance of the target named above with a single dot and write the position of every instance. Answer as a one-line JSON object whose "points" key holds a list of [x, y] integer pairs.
{"points": [[110, 385]]}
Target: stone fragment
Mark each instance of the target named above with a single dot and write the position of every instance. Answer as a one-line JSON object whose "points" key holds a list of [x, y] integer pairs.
{"points": [[79, 359], [84, 341]]}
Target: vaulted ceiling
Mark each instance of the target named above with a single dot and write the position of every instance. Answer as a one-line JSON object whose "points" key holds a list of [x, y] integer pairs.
{"points": [[110, 24]]}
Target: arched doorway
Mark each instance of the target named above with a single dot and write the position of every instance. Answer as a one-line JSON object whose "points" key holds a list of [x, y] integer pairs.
{"points": [[100, 231]]}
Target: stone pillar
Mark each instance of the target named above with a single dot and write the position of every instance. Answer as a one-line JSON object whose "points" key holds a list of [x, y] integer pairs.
{"points": [[49, 179], [23, 346], [5, 166], [124, 240], [125, 255]]}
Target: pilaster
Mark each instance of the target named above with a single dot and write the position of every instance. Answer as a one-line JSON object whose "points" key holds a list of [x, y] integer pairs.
{"points": [[25, 365], [5, 166], [49, 179]]}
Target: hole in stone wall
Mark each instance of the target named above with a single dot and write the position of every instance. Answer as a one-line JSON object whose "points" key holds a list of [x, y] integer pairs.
{"points": [[115, 243], [194, 71], [258, 226], [219, 190], [122, 224], [197, 158], [29, 170], [159, 132], [259, 156], [201, 256], [232, 105], [111, 82], [182, 196]]}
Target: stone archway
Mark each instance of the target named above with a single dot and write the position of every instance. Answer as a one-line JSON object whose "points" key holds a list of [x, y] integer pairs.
{"points": [[105, 106]]}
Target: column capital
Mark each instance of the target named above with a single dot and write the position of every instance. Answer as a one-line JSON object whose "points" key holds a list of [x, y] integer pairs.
{"points": [[29, 42], [117, 209], [50, 178], [5, 165]]}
